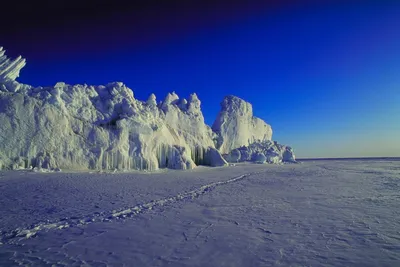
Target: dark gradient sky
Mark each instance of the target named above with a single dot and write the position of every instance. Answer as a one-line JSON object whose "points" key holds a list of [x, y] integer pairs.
{"points": [[324, 74]]}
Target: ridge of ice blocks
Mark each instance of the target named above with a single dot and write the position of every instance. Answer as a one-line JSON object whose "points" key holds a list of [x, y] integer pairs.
{"points": [[101, 127], [262, 152]]}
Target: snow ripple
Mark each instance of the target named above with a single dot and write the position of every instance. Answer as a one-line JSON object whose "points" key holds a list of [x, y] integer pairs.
{"points": [[20, 234]]}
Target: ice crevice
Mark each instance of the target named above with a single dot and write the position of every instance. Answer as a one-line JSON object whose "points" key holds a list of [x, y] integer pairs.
{"points": [[20, 234]]}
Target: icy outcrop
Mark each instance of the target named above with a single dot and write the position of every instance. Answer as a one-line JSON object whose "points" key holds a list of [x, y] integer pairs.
{"points": [[193, 105], [152, 101], [104, 127], [259, 158], [171, 98], [99, 127], [9, 69], [236, 126], [262, 152]]}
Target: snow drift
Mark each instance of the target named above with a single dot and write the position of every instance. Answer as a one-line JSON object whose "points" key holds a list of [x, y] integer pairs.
{"points": [[104, 127]]}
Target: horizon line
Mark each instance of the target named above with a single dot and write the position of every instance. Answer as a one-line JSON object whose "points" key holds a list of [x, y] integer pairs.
{"points": [[339, 158]]}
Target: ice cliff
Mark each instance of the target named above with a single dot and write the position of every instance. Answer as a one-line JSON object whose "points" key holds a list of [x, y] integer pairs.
{"points": [[236, 126], [104, 127]]}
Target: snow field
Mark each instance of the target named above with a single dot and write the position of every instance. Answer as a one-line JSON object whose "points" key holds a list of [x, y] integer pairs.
{"points": [[321, 213]]}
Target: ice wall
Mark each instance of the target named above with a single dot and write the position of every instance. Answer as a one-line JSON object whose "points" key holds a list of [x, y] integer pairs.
{"points": [[105, 128], [98, 127]]}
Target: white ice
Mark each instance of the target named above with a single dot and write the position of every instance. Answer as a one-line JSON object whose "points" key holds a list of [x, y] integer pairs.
{"points": [[103, 127], [236, 126]]}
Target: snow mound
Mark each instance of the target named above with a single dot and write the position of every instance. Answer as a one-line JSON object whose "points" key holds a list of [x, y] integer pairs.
{"points": [[236, 126], [104, 127], [262, 152]]}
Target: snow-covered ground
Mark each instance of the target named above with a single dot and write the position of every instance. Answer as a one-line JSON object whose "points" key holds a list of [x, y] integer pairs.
{"points": [[318, 213]]}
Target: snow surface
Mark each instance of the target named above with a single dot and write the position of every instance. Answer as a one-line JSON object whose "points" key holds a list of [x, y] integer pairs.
{"points": [[318, 213], [100, 127]]}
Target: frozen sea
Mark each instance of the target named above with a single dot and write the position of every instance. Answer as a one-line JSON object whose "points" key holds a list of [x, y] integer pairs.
{"points": [[317, 213]]}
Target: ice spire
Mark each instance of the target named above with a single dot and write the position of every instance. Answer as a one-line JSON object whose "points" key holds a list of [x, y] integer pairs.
{"points": [[9, 69], [151, 101], [171, 98], [194, 103]]}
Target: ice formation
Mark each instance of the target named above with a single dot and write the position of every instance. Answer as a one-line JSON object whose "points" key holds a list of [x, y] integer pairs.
{"points": [[9, 69], [236, 126], [104, 127], [262, 152]]}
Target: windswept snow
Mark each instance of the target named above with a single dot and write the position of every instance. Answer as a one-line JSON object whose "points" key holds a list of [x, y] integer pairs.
{"points": [[20, 233], [318, 213]]}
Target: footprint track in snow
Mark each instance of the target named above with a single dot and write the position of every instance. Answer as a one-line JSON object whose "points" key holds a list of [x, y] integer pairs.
{"points": [[19, 234]]}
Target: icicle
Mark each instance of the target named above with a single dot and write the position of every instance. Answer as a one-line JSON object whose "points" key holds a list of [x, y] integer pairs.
{"points": [[116, 164], [117, 160]]}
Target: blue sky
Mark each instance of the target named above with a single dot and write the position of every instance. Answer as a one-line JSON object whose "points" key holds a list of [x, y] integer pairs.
{"points": [[326, 77]]}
